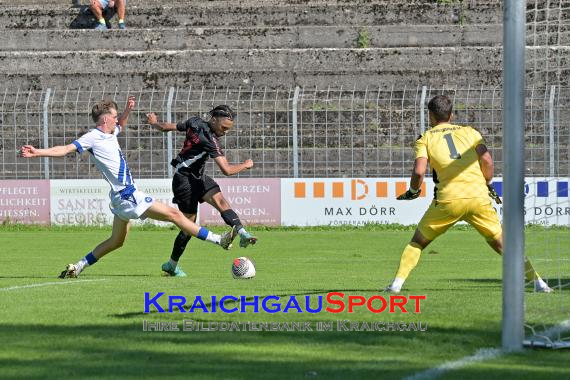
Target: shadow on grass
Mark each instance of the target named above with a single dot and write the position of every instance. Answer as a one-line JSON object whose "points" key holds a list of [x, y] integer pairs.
{"points": [[99, 276], [495, 281], [555, 283], [104, 275], [30, 277], [124, 351]]}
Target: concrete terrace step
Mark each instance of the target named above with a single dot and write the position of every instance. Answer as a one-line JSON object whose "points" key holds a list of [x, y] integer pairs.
{"points": [[224, 3], [252, 38], [274, 68], [156, 15]]}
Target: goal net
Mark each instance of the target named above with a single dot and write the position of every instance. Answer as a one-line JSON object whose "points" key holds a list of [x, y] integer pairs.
{"points": [[547, 155]]}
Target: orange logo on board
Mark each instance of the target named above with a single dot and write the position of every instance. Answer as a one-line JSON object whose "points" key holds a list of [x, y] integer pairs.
{"points": [[357, 189]]}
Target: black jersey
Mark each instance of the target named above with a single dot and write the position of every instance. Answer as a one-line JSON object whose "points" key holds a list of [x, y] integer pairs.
{"points": [[200, 144]]}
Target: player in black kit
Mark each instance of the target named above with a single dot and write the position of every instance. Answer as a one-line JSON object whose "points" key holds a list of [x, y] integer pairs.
{"points": [[190, 185]]}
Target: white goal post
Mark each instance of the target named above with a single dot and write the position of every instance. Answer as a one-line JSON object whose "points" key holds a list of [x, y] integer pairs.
{"points": [[514, 24], [536, 55]]}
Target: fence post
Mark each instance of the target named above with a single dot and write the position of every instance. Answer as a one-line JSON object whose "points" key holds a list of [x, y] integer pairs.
{"points": [[169, 135], [422, 110], [551, 128], [295, 143], [46, 132]]}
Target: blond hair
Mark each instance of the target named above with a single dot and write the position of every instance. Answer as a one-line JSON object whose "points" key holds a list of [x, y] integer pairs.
{"points": [[102, 107]]}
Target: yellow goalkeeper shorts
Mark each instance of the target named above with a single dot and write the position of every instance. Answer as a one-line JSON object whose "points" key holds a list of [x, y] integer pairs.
{"points": [[441, 215]]}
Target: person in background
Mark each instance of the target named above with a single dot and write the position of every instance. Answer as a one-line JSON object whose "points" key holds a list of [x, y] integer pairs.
{"points": [[98, 7]]}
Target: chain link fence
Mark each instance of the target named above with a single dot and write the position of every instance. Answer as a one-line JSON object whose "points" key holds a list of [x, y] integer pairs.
{"points": [[300, 132]]}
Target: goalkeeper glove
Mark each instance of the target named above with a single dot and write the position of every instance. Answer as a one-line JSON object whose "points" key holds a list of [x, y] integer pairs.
{"points": [[493, 194], [409, 195]]}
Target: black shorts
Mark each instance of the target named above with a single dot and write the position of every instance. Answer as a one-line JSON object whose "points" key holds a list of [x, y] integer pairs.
{"points": [[189, 190]]}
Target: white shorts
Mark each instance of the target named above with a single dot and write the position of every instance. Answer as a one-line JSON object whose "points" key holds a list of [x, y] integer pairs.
{"points": [[105, 3], [131, 208]]}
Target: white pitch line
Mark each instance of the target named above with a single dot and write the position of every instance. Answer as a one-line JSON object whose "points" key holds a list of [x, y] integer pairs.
{"points": [[48, 284], [480, 355]]}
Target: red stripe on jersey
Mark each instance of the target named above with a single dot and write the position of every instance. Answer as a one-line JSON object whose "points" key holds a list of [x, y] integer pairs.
{"points": [[217, 144]]}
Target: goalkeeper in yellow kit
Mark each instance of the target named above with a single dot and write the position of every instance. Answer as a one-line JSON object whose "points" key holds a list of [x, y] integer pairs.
{"points": [[462, 170]]}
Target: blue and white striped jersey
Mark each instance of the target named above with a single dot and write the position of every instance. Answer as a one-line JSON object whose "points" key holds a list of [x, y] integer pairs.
{"points": [[109, 158]]}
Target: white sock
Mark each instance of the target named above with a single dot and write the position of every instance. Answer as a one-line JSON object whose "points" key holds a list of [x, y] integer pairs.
{"points": [[213, 238], [397, 284], [540, 284], [81, 264], [242, 232]]}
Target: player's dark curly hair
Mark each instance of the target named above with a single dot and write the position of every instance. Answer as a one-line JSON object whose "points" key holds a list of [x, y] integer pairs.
{"points": [[440, 107], [223, 111], [102, 107]]}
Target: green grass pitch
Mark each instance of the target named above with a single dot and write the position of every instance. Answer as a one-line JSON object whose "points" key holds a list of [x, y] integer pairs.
{"points": [[92, 328]]}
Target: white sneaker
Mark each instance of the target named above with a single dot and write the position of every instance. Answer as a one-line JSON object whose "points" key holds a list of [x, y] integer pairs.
{"points": [[228, 238], [71, 271], [391, 289], [542, 287]]}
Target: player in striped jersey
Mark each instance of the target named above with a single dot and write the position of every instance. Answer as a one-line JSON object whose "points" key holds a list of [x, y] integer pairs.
{"points": [[127, 202]]}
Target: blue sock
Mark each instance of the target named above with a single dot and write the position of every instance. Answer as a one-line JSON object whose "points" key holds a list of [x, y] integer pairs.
{"points": [[203, 233], [90, 258]]}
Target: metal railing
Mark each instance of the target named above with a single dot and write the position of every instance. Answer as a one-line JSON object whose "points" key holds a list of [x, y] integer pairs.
{"points": [[299, 132]]}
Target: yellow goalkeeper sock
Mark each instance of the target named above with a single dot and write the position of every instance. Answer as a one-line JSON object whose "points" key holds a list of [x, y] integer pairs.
{"points": [[529, 272], [409, 260]]}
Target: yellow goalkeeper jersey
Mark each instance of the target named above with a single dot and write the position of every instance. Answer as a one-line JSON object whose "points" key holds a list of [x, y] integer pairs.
{"points": [[450, 150]]}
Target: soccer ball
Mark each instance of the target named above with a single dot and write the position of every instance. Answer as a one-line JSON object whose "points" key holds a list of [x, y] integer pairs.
{"points": [[243, 268]]}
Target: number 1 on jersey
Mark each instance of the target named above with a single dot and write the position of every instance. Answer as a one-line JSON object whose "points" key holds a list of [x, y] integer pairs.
{"points": [[451, 145]]}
